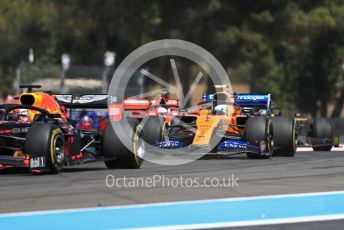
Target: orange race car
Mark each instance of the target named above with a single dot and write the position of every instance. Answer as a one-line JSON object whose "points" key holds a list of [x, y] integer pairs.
{"points": [[226, 123]]}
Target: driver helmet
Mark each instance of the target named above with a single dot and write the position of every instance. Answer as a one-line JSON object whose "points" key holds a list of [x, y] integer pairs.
{"points": [[220, 109], [86, 119], [162, 111], [23, 115]]}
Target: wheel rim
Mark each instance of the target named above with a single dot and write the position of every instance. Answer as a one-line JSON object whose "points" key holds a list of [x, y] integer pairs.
{"points": [[59, 149]]}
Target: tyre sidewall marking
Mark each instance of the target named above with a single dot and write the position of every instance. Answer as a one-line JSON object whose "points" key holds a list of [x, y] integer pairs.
{"points": [[163, 129], [54, 163], [135, 143]]}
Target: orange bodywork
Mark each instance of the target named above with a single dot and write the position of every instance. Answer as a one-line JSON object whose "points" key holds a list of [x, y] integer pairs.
{"points": [[42, 100], [207, 122]]}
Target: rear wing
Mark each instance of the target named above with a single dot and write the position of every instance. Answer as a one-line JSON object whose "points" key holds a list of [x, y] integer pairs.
{"points": [[85, 101], [246, 100], [139, 108], [253, 100]]}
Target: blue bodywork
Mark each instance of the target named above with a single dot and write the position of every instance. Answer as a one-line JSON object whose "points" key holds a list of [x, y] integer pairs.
{"points": [[237, 146], [253, 100], [246, 100], [170, 144], [229, 145]]}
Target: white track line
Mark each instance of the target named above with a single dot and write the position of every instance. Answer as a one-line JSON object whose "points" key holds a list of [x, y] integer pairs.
{"points": [[14, 214], [246, 223], [309, 149]]}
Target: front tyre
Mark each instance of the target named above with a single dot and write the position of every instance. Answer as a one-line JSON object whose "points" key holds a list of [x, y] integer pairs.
{"points": [[116, 153], [284, 137], [259, 129], [46, 140]]}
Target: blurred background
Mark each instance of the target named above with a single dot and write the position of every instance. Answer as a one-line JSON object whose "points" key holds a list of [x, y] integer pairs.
{"points": [[291, 49]]}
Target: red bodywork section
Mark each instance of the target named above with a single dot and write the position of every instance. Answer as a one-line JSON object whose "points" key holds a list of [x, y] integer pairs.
{"points": [[140, 108]]}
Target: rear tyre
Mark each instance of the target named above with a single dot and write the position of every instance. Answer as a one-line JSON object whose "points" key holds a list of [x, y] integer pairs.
{"points": [[120, 156], [323, 135], [45, 140], [284, 136], [258, 129]]}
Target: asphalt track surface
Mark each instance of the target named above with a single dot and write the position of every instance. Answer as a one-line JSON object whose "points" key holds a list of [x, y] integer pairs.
{"points": [[85, 185]]}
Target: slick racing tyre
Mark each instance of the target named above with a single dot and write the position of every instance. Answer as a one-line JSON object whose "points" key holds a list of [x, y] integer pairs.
{"points": [[259, 129], [47, 141], [117, 154], [322, 139], [284, 136], [152, 129]]}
